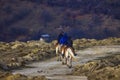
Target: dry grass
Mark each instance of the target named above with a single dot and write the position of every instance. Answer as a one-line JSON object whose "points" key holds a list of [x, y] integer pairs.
{"points": [[107, 68], [85, 43]]}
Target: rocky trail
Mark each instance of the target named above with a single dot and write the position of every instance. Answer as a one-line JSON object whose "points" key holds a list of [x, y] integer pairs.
{"points": [[54, 70]]}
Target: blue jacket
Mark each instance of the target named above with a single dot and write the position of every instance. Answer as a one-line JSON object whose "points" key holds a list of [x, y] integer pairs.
{"points": [[59, 37], [64, 39]]}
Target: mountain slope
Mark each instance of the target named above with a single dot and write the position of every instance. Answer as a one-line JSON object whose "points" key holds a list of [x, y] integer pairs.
{"points": [[29, 19]]}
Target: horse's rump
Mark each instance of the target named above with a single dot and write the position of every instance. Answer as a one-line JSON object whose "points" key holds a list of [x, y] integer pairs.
{"points": [[70, 52]]}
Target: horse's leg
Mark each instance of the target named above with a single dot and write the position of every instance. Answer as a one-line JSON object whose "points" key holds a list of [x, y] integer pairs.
{"points": [[64, 60], [69, 62], [57, 57], [57, 53], [60, 57], [60, 53], [65, 57]]}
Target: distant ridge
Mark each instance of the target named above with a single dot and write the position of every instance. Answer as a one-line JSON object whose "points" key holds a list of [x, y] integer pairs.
{"points": [[29, 19]]}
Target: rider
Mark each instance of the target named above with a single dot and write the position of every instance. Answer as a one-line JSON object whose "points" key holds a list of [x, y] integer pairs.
{"points": [[60, 36], [64, 39]]}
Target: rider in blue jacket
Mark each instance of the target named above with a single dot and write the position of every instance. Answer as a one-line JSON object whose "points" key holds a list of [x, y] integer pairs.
{"points": [[64, 39], [60, 36]]}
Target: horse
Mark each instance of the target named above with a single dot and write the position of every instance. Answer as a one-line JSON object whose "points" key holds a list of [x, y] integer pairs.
{"points": [[68, 54], [58, 51]]}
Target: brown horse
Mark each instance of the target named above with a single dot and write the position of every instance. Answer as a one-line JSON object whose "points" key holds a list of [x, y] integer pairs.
{"points": [[68, 54]]}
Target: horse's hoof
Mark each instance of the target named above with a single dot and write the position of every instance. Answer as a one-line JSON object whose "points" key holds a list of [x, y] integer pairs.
{"points": [[63, 63], [69, 66]]}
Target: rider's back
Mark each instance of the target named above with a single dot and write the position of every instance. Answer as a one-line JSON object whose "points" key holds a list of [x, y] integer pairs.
{"points": [[64, 39]]}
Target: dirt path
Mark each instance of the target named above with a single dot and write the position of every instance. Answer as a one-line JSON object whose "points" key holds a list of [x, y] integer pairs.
{"points": [[54, 70]]}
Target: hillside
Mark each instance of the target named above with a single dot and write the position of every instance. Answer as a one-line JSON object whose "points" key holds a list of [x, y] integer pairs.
{"points": [[29, 19]]}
